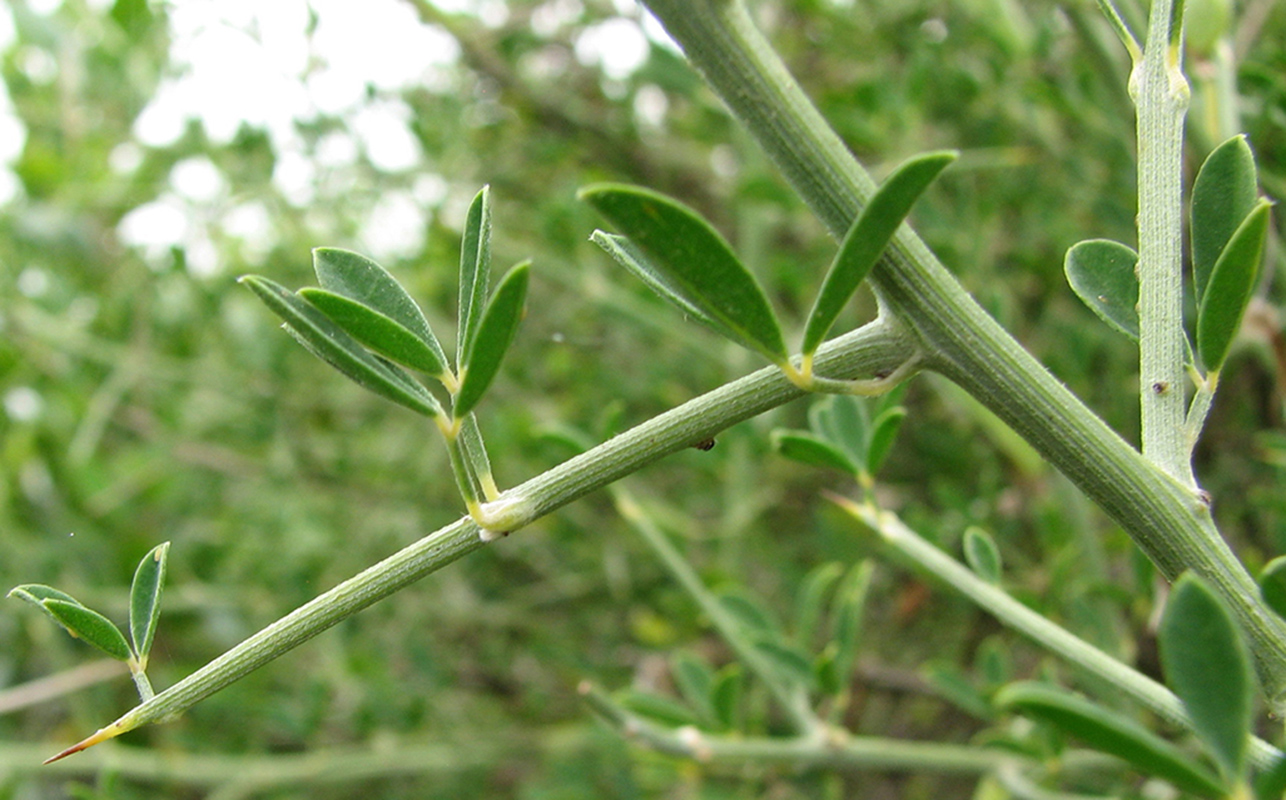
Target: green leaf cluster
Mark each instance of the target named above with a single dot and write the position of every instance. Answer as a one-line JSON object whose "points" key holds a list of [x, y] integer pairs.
{"points": [[680, 256], [97, 630], [850, 434], [364, 323]]}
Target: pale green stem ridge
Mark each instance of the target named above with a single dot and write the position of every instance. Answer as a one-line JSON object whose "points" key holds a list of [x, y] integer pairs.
{"points": [[1160, 93], [1167, 519], [876, 347], [1010, 612], [793, 698]]}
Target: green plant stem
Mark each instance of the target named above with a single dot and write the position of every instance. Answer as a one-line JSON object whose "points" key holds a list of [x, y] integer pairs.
{"points": [[462, 468], [1160, 93], [1054, 638], [1166, 518], [876, 347], [249, 775], [792, 698], [842, 753], [476, 450], [142, 684]]}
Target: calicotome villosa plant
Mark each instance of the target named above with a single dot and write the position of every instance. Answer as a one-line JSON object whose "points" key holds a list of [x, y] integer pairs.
{"points": [[1222, 636]]}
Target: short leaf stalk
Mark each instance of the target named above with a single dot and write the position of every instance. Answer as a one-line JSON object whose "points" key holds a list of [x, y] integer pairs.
{"points": [[1160, 92]]}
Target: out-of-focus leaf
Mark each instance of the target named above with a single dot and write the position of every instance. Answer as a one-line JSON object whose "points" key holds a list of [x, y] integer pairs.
{"points": [[655, 707], [994, 661], [1228, 292], [952, 685], [1207, 665], [1109, 732], [867, 239], [810, 602], [475, 271], [843, 420], [726, 695], [826, 671], [1102, 273], [750, 613], [884, 430], [1222, 197], [494, 335], [849, 608], [808, 449], [696, 260], [87, 624], [694, 679], [789, 662], [981, 554], [376, 331], [328, 342], [1271, 783], [145, 598], [1272, 585]]}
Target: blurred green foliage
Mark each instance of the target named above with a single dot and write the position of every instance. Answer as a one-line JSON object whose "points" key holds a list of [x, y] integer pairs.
{"points": [[146, 397]]}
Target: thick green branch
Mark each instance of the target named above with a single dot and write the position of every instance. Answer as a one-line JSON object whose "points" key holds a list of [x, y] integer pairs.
{"points": [[1167, 519]]}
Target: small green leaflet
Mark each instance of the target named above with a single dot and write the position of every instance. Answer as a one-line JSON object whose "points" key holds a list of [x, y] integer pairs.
{"points": [[76, 619], [806, 448], [697, 263], [329, 342], [1231, 285], [475, 271], [381, 334], [982, 555], [630, 257], [494, 335], [1207, 664], [1102, 273], [145, 599], [1107, 731], [1222, 197], [867, 239]]}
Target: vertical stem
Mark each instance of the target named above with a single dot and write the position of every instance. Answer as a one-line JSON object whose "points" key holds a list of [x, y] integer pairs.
{"points": [[1160, 93]]}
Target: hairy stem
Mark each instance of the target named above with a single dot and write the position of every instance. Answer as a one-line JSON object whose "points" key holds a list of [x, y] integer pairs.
{"points": [[1160, 93], [1168, 519]]}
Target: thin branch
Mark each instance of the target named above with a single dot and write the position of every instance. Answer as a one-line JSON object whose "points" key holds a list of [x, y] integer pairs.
{"points": [[1013, 614]]}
